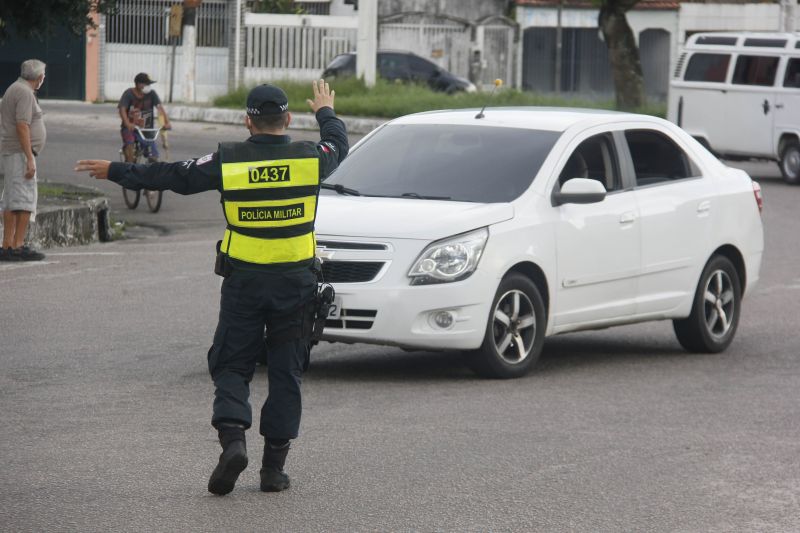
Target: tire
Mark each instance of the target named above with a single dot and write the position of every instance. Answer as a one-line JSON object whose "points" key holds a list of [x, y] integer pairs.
{"points": [[712, 324], [131, 197], [790, 163], [153, 200], [500, 355]]}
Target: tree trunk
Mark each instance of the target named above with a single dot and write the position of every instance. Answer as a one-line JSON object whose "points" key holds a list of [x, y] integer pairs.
{"points": [[624, 54]]}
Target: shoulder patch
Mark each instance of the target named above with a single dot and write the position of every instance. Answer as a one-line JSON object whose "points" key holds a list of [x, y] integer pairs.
{"points": [[205, 159], [328, 147]]}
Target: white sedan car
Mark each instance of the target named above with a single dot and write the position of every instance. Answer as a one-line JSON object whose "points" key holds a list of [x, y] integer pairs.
{"points": [[444, 231]]}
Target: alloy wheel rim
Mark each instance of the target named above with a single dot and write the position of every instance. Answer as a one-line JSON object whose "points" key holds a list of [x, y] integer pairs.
{"points": [[791, 163], [719, 304], [514, 327]]}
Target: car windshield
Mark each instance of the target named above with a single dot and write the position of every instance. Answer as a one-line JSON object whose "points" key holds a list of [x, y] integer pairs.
{"points": [[453, 162], [340, 61]]}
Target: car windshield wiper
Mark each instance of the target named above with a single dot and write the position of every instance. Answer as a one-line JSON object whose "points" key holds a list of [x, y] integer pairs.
{"points": [[422, 197], [341, 189]]}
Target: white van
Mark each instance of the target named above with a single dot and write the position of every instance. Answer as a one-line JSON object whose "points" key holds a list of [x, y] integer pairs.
{"points": [[739, 95]]}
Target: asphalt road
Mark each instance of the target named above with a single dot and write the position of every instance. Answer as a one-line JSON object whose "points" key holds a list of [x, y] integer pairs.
{"points": [[105, 404]]}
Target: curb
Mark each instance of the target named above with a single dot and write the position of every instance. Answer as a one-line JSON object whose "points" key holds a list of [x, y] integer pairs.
{"points": [[69, 223], [301, 121]]}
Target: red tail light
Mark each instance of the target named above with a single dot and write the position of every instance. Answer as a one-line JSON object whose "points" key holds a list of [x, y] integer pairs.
{"points": [[759, 197]]}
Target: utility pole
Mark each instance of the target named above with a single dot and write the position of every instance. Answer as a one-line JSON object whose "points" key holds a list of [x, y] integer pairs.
{"points": [[559, 45], [789, 15], [367, 45], [189, 48]]}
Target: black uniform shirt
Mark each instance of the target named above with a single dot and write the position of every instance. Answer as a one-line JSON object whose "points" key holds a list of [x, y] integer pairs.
{"points": [[205, 173]]}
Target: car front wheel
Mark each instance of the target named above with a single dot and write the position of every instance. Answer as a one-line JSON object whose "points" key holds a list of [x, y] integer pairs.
{"points": [[715, 313], [514, 332], [790, 163]]}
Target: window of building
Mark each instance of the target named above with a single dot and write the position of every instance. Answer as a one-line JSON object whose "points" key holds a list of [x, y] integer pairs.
{"points": [[657, 159], [707, 67], [755, 70]]}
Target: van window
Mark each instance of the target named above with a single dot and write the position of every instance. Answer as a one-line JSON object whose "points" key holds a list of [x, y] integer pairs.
{"points": [[707, 67], [656, 158], [792, 78], [755, 70], [765, 43]]}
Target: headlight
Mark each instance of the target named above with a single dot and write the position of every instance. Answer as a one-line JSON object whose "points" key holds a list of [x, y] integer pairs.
{"points": [[451, 259]]}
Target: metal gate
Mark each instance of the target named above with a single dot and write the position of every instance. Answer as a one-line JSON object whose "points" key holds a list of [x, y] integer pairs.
{"points": [[497, 45], [135, 40]]}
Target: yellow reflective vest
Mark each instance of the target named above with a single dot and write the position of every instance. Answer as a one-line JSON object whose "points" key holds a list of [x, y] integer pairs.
{"points": [[269, 196]]}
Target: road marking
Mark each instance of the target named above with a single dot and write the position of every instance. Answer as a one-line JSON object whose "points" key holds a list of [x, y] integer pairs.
{"points": [[22, 264], [84, 253]]}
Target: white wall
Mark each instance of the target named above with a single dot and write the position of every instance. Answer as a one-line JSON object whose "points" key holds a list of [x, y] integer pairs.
{"points": [[728, 17]]}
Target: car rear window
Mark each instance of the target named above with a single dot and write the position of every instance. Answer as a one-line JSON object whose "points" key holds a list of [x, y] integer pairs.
{"points": [[340, 61], [456, 162]]}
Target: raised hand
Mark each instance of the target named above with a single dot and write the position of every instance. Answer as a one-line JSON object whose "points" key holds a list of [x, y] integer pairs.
{"points": [[323, 96], [97, 168]]}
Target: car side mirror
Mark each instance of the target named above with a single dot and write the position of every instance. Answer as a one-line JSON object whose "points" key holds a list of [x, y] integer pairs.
{"points": [[579, 191]]}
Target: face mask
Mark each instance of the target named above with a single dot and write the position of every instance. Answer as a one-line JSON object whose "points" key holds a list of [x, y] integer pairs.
{"points": [[40, 83], [146, 89]]}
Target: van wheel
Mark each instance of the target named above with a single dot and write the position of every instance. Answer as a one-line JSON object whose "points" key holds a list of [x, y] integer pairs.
{"points": [[514, 331], [790, 162], [712, 324]]}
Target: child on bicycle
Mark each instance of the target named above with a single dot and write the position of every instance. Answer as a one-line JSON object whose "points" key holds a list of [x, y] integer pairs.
{"points": [[136, 108]]}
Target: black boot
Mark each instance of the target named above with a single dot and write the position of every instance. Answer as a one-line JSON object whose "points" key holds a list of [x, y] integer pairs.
{"points": [[273, 478], [232, 460]]}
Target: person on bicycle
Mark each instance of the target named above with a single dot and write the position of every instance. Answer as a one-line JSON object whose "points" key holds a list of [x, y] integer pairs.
{"points": [[136, 108]]}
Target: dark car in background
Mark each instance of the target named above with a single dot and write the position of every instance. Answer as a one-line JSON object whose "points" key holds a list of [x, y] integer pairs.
{"points": [[402, 66]]}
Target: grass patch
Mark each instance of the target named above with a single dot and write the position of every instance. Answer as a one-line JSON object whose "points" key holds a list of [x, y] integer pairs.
{"points": [[56, 191], [390, 100]]}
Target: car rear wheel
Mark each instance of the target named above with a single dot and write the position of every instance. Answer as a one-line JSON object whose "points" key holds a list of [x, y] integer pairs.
{"points": [[711, 326], [514, 332], [790, 163]]}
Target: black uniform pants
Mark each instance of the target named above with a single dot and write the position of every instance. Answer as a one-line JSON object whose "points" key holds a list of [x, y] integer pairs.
{"points": [[250, 300]]}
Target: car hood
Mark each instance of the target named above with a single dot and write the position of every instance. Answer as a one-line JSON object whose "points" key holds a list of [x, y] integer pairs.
{"points": [[402, 218]]}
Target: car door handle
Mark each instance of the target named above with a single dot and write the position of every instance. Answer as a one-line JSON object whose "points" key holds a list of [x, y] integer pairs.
{"points": [[765, 106], [627, 218], [778, 106], [704, 207]]}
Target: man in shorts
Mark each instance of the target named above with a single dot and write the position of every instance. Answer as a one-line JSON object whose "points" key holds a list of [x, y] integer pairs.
{"points": [[137, 108], [22, 136]]}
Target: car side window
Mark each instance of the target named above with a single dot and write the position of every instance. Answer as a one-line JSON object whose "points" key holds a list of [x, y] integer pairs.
{"points": [[392, 66], [755, 70], [656, 158], [595, 158], [420, 68], [792, 77]]}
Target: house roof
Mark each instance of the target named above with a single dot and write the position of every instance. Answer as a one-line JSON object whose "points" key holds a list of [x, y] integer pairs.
{"points": [[588, 4]]}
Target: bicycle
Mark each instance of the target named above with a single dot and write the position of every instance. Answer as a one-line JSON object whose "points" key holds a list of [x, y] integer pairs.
{"points": [[142, 154]]}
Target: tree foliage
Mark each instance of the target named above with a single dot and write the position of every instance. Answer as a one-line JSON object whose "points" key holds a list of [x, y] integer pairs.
{"points": [[37, 18], [623, 52], [277, 6]]}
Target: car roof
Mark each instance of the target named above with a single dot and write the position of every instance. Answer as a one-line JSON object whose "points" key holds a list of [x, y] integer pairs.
{"points": [[534, 118]]}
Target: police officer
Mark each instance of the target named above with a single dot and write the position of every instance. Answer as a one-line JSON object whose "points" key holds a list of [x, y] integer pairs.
{"points": [[269, 187]]}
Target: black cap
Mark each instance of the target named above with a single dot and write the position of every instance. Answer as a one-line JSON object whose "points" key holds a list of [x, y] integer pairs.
{"points": [[142, 77], [267, 100]]}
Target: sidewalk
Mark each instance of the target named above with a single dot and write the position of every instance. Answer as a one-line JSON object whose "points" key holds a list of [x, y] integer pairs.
{"points": [[67, 216]]}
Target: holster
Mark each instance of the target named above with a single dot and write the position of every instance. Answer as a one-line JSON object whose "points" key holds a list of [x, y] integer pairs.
{"points": [[222, 267]]}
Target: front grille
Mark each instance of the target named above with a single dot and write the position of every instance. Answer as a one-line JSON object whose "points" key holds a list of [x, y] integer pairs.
{"points": [[353, 319], [339, 245], [350, 271]]}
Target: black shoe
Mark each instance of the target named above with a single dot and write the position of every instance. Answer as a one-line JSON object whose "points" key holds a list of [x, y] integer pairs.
{"points": [[232, 460], [7, 254], [273, 478], [29, 254]]}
